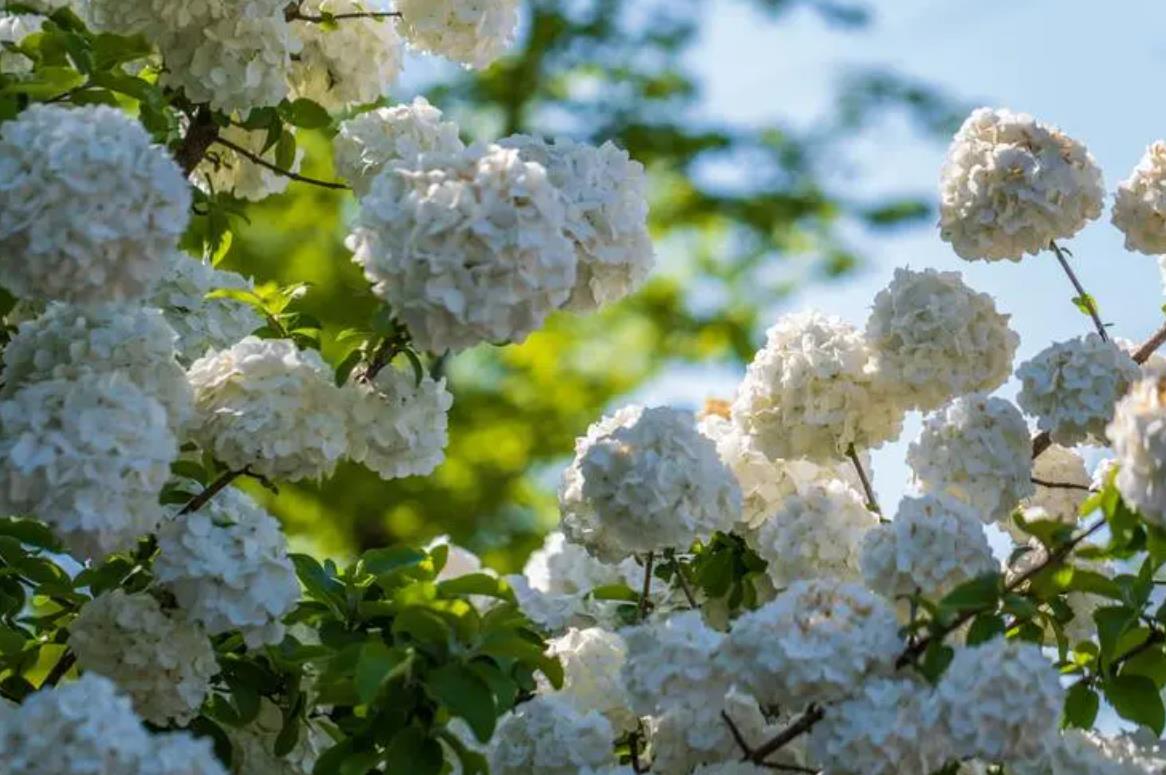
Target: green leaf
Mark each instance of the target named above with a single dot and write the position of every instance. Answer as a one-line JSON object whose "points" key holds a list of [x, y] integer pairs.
{"points": [[30, 532], [375, 663], [285, 151], [1081, 704], [1150, 663], [414, 752], [381, 561], [985, 627], [347, 364], [980, 592], [423, 626], [466, 695], [305, 114], [473, 763], [476, 584], [615, 592], [1086, 303], [11, 640], [1136, 698], [319, 585], [1112, 622], [45, 83]]}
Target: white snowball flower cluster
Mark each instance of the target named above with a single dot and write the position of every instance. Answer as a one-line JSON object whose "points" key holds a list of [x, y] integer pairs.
{"points": [[88, 457], [15, 27], [254, 745], [1139, 206], [815, 533], [672, 659], [1138, 435], [355, 61], [398, 426], [549, 736], [1011, 185], [368, 143], [90, 207], [1078, 752], [472, 32], [936, 338], [999, 700], [554, 613], [692, 732], [832, 636], [592, 659], [164, 663], [74, 342], [1071, 387], [224, 169], [266, 405], [227, 566], [467, 248], [888, 728], [976, 449], [934, 544], [812, 391], [180, 753], [564, 568], [607, 211], [1056, 466], [202, 324], [644, 479]]}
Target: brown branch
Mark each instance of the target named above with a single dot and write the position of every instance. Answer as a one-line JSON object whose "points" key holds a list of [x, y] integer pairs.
{"points": [[1085, 298], [64, 664], [799, 727], [255, 158], [1060, 485], [210, 491], [871, 501], [685, 588], [200, 136], [294, 15], [647, 590]]}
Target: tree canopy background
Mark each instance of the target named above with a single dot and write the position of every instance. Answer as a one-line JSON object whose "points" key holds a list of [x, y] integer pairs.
{"points": [[593, 70]]}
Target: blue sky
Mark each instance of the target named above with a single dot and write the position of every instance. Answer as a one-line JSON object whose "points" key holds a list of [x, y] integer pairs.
{"points": [[1084, 66]]}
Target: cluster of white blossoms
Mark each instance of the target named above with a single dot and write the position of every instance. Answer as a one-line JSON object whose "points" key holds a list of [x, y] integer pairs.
{"points": [[370, 142], [472, 32], [592, 659], [202, 324], [817, 532], [934, 338], [1061, 482], [86, 726], [1071, 387], [1076, 752], [1138, 436], [88, 457], [813, 392], [225, 169], [90, 207], [162, 661], [1011, 185], [74, 343], [643, 479], [228, 568], [549, 735], [399, 424], [934, 544], [264, 404], [977, 449], [1139, 206], [836, 634]]}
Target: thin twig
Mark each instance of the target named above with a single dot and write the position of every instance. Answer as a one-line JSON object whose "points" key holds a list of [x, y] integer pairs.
{"points": [[647, 590], [1060, 485], [800, 726], [202, 133], [871, 501], [381, 357], [634, 750], [1085, 298], [210, 491], [685, 588], [296, 16], [257, 159], [64, 664]]}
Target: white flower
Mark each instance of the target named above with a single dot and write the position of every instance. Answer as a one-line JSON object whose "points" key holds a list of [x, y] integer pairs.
{"points": [[203, 324], [765, 483], [1138, 435], [1079, 752], [812, 392], [459, 561], [472, 32], [564, 568], [999, 700], [814, 643], [89, 206], [549, 736], [887, 728], [369, 142], [227, 566], [815, 533], [181, 753], [397, 425], [732, 767], [266, 405], [1139, 206], [15, 27], [1011, 185], [936, 338], [592, 659], [934, 544], [607, 212], [162, 662], [1071, 387], [73, 342], [644, 479], [1064, 470], [87, 457], [254, 745], [976, 449], [356, 60], [553, 612], [467, 247], [670, 659], [224, 170], [84, 727]]}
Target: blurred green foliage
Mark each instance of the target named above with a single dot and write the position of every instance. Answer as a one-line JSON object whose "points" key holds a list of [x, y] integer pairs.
{"points": [[596, 70]]}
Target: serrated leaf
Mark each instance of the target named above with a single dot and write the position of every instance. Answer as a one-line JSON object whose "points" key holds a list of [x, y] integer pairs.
{"points": [[1081, 704], [1136, 698]]}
